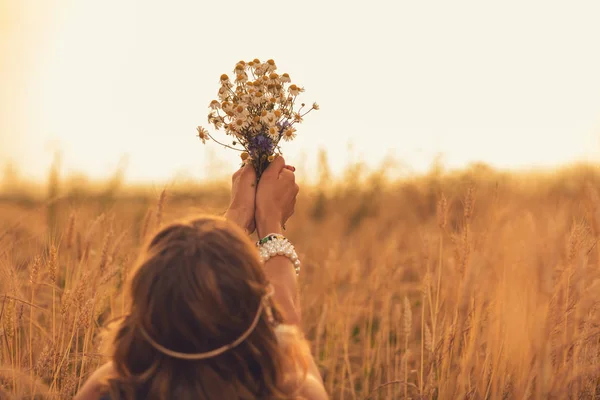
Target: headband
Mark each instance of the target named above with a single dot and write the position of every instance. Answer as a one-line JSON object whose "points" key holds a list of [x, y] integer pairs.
{"points": [[264, 305]]}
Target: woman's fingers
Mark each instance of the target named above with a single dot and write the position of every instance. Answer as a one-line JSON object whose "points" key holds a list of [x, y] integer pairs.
{"points": [[245, 176], [275, 167], [288, 175]]}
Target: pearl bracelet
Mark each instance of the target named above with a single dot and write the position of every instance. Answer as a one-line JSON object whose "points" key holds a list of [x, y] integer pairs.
{"points": [[273, 245]]}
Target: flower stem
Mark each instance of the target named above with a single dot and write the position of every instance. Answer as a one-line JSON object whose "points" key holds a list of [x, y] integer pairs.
{"points": [[223, 144]]}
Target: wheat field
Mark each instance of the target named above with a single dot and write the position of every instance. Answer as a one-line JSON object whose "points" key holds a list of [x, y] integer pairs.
{"points": [[475, 284]]}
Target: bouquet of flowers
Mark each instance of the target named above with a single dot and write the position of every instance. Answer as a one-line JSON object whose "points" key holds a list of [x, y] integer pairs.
{"points": [[257, 110]]}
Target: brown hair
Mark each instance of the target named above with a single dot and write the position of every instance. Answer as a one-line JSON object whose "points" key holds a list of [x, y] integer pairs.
{"points": [[197, 287]]}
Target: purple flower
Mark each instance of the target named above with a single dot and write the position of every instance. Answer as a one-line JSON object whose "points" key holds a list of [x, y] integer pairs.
{"points": [[282, 126], [263, 143], [260, 144]]}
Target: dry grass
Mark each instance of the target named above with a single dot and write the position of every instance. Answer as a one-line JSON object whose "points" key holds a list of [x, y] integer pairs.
{"points": [[474, 285]]}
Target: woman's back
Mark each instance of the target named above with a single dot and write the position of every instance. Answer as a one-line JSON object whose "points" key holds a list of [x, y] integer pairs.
{"points": [[297, 386], [207, 317]]}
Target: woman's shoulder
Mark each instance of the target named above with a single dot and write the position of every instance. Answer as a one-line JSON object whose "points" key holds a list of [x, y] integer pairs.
{"points": [[312, 389], [93, 389], [301, 376], [306, 387]]}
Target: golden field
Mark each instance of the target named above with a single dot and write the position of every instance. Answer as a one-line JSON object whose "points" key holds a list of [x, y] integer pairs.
{"points": [[478, 284]]}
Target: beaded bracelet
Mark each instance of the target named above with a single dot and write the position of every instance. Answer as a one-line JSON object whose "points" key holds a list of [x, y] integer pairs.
{"points": [[275, 244], [270, 237]]}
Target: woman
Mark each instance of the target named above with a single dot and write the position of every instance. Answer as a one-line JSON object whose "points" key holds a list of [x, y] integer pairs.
{"points": [[208, 319]]}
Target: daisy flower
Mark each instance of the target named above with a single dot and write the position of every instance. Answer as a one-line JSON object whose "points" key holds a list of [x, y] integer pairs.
{"points": [[274, 78], [226, 105], [230, 129], [285, 78], [273, 133], [258, 98], [241, 77], [227, 85], [239, 124], [211, 115], [270, 66], [217, 122], [257, 110], [225, 82], [289, 133], [223, 93], [295, 90], [241, 110], [260, 69], [202, 134], [271, 119], [239, 68]]}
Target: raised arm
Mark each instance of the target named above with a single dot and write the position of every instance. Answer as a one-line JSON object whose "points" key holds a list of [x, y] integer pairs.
{"points": [[275, 202], [267, 208], [274, 199], [243, 198]]}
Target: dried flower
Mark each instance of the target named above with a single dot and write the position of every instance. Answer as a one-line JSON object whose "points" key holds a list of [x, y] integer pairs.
{"points": [[202, 134], [294, 90], [289, 133], [257, 109]]}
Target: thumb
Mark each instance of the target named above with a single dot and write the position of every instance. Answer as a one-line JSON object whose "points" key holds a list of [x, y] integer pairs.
{"points": [[247, 171], [275, 167], [247, 166]]}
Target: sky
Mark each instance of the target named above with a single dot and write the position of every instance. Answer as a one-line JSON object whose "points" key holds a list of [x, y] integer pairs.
{"points": [[106, 83]]}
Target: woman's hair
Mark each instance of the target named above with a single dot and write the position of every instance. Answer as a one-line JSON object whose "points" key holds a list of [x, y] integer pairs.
{"points": [[198, 286]]}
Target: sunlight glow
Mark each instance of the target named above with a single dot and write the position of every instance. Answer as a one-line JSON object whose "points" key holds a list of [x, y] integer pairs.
{"points": [[513, 84]]}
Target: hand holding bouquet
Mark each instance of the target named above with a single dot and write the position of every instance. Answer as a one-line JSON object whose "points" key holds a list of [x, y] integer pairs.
{"points": [[257, 111]]}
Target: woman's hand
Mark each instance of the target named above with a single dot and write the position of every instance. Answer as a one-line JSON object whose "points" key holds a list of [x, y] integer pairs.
{"points": [[243, 198], [275, 197]]}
